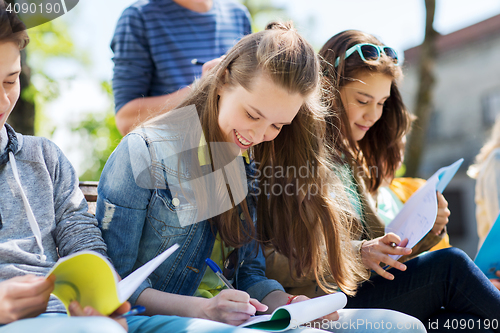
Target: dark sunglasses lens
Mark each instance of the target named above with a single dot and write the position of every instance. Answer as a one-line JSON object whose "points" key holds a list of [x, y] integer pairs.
{"points": [[391, 53], [369, 52]]}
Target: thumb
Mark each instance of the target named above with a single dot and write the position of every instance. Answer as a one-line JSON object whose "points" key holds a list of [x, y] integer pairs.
{"points": [[258, 305], [404, 242], [125, 307]]}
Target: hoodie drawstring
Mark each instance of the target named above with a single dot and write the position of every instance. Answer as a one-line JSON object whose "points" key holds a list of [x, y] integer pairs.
{"points": [[31, 217]]}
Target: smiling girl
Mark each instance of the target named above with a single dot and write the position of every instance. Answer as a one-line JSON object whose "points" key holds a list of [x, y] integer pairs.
{"points": [[176, 179]]}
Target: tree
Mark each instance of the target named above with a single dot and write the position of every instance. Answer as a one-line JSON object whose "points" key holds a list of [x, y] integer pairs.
{"points": [[424, 105], [98, 130]]}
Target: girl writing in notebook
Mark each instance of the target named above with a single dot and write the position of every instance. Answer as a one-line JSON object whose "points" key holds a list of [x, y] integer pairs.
{"points": [[367, 122], [178, 179]]}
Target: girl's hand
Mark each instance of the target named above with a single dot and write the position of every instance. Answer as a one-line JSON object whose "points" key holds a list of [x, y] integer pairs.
{"points": [[76, 310], [334, 316], [376, 251], [232, 307], [442, 215], [24, 297]]}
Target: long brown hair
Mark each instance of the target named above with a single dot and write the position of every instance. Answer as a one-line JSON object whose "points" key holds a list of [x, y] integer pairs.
{"points": [[378, 153], [308, 226]]}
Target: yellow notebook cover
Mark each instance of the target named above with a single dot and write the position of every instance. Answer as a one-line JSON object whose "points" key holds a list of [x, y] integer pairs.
{"points": [[90, 279]]}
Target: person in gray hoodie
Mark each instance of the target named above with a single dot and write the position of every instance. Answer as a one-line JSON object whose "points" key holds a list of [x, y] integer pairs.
{"points": [[43, 216]]}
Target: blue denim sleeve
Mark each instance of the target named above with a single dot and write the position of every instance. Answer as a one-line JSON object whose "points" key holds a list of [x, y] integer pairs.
{"points": [[252, 274], [122, 206], [134, 66]]}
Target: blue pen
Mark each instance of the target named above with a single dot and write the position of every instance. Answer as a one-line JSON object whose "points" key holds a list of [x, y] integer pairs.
{"points": [[133, 311], [218, 272], [214, 267]]}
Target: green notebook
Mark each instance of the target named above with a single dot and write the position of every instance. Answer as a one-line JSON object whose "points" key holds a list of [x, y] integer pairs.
{"points": [[293, 315]]}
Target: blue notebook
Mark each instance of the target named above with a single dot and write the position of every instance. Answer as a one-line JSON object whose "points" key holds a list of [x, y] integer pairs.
{"points": [[488, 257]]}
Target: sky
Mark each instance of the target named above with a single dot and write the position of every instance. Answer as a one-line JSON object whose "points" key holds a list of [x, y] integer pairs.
{"points": [[398, 23]]}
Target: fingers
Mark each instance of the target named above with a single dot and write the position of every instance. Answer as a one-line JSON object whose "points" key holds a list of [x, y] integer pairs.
{"points": [[442, 203], [378, 250], [389, 239], [404, 243], [76, 310], [300, 298], [443, 214], [259, 307], [497, 273], [236, 301], [28, 307], [30, 287], [382, 272], [125, 307]]}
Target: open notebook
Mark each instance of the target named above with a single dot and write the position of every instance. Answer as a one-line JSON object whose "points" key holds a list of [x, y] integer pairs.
{"points": [[90, 279], [292, 315], [418, 214]]}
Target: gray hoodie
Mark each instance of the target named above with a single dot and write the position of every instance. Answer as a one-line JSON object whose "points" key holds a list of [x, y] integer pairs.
{"points": [[50, 187]]}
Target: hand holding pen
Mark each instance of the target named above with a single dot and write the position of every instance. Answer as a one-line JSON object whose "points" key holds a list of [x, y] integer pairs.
{"points": [[230, 306], [376, 251], [119, 315], [135, 310]]}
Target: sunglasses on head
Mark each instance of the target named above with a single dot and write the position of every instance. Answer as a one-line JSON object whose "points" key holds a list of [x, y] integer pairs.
{"points": [[370, 52]]}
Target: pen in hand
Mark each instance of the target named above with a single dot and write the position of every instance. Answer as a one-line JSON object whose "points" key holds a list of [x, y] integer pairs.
{"points": [[133, 311], [214, 267]]}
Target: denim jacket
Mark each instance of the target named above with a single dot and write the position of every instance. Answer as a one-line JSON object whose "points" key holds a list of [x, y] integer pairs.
{"points": [[140, 223]]}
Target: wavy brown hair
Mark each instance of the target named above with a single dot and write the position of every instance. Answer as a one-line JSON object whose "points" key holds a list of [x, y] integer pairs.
{"points": [[379, 152], [308, 227]]}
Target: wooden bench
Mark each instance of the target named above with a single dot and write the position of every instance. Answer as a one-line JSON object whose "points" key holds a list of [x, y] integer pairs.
{"points": [[89, 190]]}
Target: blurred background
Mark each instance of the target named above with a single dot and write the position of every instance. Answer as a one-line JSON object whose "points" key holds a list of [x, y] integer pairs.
{"points": [[452, 80]]}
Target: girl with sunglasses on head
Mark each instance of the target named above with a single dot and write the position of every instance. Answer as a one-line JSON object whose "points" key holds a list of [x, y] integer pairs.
{"points": [[161, 187], [367, 123]]}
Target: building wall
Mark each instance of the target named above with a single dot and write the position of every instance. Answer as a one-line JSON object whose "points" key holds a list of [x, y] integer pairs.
{"points": [[466, 98]]}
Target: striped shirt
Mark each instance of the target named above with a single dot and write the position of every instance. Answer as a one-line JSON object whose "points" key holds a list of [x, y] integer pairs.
{"points": [[155, 41]]}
